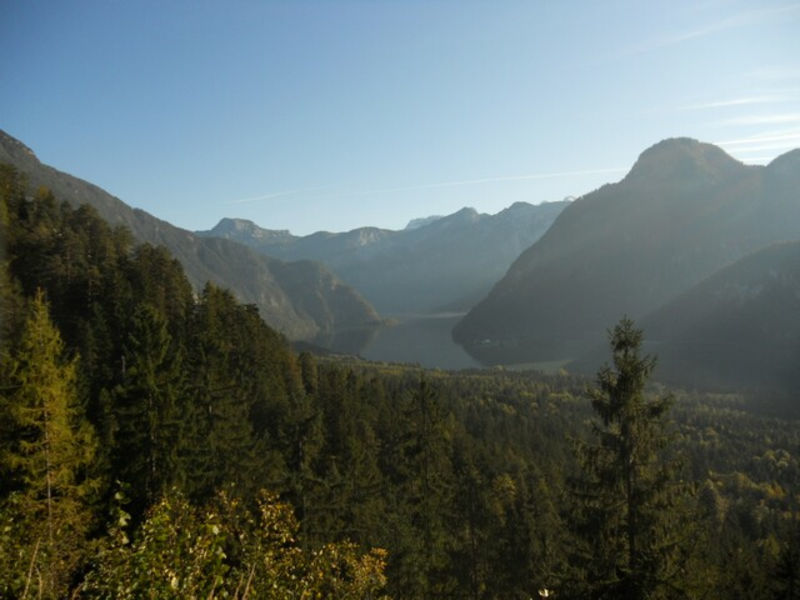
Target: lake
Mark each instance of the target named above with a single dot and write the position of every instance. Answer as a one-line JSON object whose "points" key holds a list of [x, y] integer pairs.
{"points": [[421, 339]]}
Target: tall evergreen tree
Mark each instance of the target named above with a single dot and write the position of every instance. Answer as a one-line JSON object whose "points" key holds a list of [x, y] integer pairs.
{"points": [[224, 447], [11, 191], [48, 462], [628, 532], [422, 499], [147, 407]]}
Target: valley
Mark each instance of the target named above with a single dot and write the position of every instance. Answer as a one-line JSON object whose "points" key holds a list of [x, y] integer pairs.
{"points": [[381, 439], [425, 340], [532, 284], [386, 300]]}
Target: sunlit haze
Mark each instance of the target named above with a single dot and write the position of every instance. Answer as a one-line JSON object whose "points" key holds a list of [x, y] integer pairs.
{"points": [[333, 115]]}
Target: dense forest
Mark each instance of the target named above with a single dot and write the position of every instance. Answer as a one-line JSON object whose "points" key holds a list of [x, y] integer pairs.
{"points": [[156, 442]]}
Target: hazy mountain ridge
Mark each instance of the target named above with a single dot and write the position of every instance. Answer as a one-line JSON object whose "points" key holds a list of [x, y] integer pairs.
{"points": [[435, 263], [274, 286], [421, 221], [737, 329], [685, 210]]}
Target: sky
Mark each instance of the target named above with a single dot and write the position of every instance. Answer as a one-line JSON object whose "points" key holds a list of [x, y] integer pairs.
{"points": [[326, 115]]}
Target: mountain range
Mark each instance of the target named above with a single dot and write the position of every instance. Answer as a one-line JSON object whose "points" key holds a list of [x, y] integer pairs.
{"points": [[435, 264], [685, 211], [700, 249], [303, 300]]}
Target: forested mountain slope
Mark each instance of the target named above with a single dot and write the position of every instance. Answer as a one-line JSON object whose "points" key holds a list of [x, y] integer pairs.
{"points": [[685, 210], [442, 263], [156, 439], [738, 329], [279, 290]]}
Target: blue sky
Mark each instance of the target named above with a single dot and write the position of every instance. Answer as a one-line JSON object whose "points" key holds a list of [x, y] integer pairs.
{"points": [[332, 115]]}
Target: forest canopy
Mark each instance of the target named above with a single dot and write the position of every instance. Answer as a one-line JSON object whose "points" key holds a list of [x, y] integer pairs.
{"points": [[157, 441]]}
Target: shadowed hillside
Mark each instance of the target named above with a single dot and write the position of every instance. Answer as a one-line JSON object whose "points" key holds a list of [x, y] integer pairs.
{"points": [[737, 329], [301, 302], [685, 210]]}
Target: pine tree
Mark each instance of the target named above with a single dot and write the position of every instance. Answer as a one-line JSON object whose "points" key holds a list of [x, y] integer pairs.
{"points": [[224, 447], [48, 461], [628, 532], [147, 407], [12, 192], [418, 467]]}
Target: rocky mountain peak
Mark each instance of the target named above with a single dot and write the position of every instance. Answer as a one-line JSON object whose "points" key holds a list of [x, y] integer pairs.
{"points": [[466, 214], [12, 143], [785, 165], [235, 228], [422, 222], [682, 158], [14, 151], [518, 206]]}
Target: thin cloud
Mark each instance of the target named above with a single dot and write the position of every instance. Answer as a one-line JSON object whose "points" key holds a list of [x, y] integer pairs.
{"points": [[762, 119], [767, 99], [501, 179], [786, 135], [743, 19], [764, 147], [429, 186], [277, 195], [773, 142]]}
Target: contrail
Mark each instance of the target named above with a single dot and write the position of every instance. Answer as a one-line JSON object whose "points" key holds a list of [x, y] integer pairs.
{"points": [[790, 135], [762, 119], [426, 186], [737, 102], [462, 182], [278, 194], [742, 19]]}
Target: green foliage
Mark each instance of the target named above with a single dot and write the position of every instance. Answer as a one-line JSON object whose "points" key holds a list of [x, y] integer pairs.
{"points": [[47, 461], [225, 388], [225, 551], [460, 476], [176, 554], [628, 533], [147, 409], [786, 574]]}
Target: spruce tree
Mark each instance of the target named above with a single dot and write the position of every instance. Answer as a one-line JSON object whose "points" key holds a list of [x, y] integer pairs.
{"points": [[628, 529], [147, 408], [220, 432]]}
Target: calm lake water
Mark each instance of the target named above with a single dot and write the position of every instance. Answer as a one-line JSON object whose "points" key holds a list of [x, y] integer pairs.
{"points": [[421, 339]]}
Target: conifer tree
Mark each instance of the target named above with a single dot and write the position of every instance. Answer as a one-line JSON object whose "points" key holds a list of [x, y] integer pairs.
{"points": [[421, 503], [221, 433], [48, 462], [147, 409], [11, 302], [628, 532]]}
